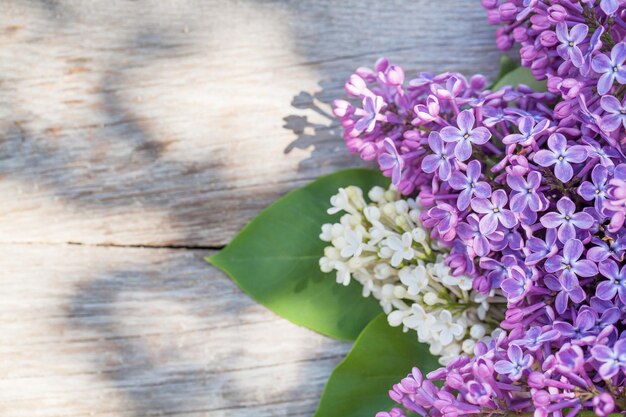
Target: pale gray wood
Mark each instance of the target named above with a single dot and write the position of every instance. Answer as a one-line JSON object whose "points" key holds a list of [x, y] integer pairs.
{"points": [[171, 123], [141, 332], [166, 122]]}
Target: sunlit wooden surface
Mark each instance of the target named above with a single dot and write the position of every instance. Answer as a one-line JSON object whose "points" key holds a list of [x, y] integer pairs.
{"points": [[137, 137]]}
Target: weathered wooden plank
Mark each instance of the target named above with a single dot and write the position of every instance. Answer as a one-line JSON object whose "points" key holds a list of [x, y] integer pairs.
{"points": [[94, 331], [172, 122]]}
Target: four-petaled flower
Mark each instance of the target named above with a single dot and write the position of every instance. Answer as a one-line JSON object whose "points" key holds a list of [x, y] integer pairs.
{"points": [[516, 365], [567, 288], [517, 285], [465, 135], [470, 232], [611, 68], [570, 264], [567, 220], [541, 248], [493, 212], [440, 160], [469, 185], [402, 248], [446, 329], [596, 189], [535, 338], [561, 156], [615, 282], [616, 114], [568, 49], [391, 160], [369, 114], [526, 195], [528, 131], [612, 360]]}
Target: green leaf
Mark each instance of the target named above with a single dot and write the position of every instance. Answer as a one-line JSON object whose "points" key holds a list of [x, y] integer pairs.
{"points": [[275, 260], [521, 75], [506, 65], [380, 357]]}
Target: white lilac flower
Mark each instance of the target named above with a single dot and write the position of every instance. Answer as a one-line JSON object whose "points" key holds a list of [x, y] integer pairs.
{"points": [[383, 245]]}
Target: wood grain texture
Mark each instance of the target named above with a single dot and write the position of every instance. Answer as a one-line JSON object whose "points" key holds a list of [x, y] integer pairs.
{"points": [[173, 122], [167, 124], [141, 332]]}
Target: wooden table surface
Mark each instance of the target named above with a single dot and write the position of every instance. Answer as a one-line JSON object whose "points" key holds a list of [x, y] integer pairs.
{"points": [[136, 138]]}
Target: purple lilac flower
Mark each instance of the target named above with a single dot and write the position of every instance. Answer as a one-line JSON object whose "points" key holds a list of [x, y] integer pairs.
{"points": [[370, 113], [612, 359], [391, 160], [597, 188], [614, 247], [582, 331], [469, 185], [541, 248], [470, 232], [567, 288], [440, 160], [566, 220], [561, 156], [528, 131], [517, 285], [516, 364], [568, 49], [611, 68], [616, 113], [535, 337], [465, 135], [526, 195], [570, 264], [615, 283], [493, 212]]}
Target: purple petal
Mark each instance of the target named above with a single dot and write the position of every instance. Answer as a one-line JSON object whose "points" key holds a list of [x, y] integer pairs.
{"points": [[610, 104], [430, 163], [618, 53], [473, 170], [464, 199], [601, 64], [609, 269], [465, 120], [499, 198], [481, 205], [606, 290], [582, 220], [576, 153], [481, 245], [602, 353], [516, 183], [463, 150], [504, 367], [507, 218], [458, 181], [519, 202], [566, 232], [573, 249], [565, 206], [579, 33], [576, 56], [611, 122], [488, 224], [445, 169], [545, 158], [451, 134], [587, 191], [562, 33], [563, 171], [434, 141], [482, 189], [585, 268], [480, 135], [605, 82], [553, 264], [561, 302], [557, 143], [551, 220]]}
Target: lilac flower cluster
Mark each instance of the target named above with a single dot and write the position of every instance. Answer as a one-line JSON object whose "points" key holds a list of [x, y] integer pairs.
{"points": [[528, 191], [579, 48]]}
